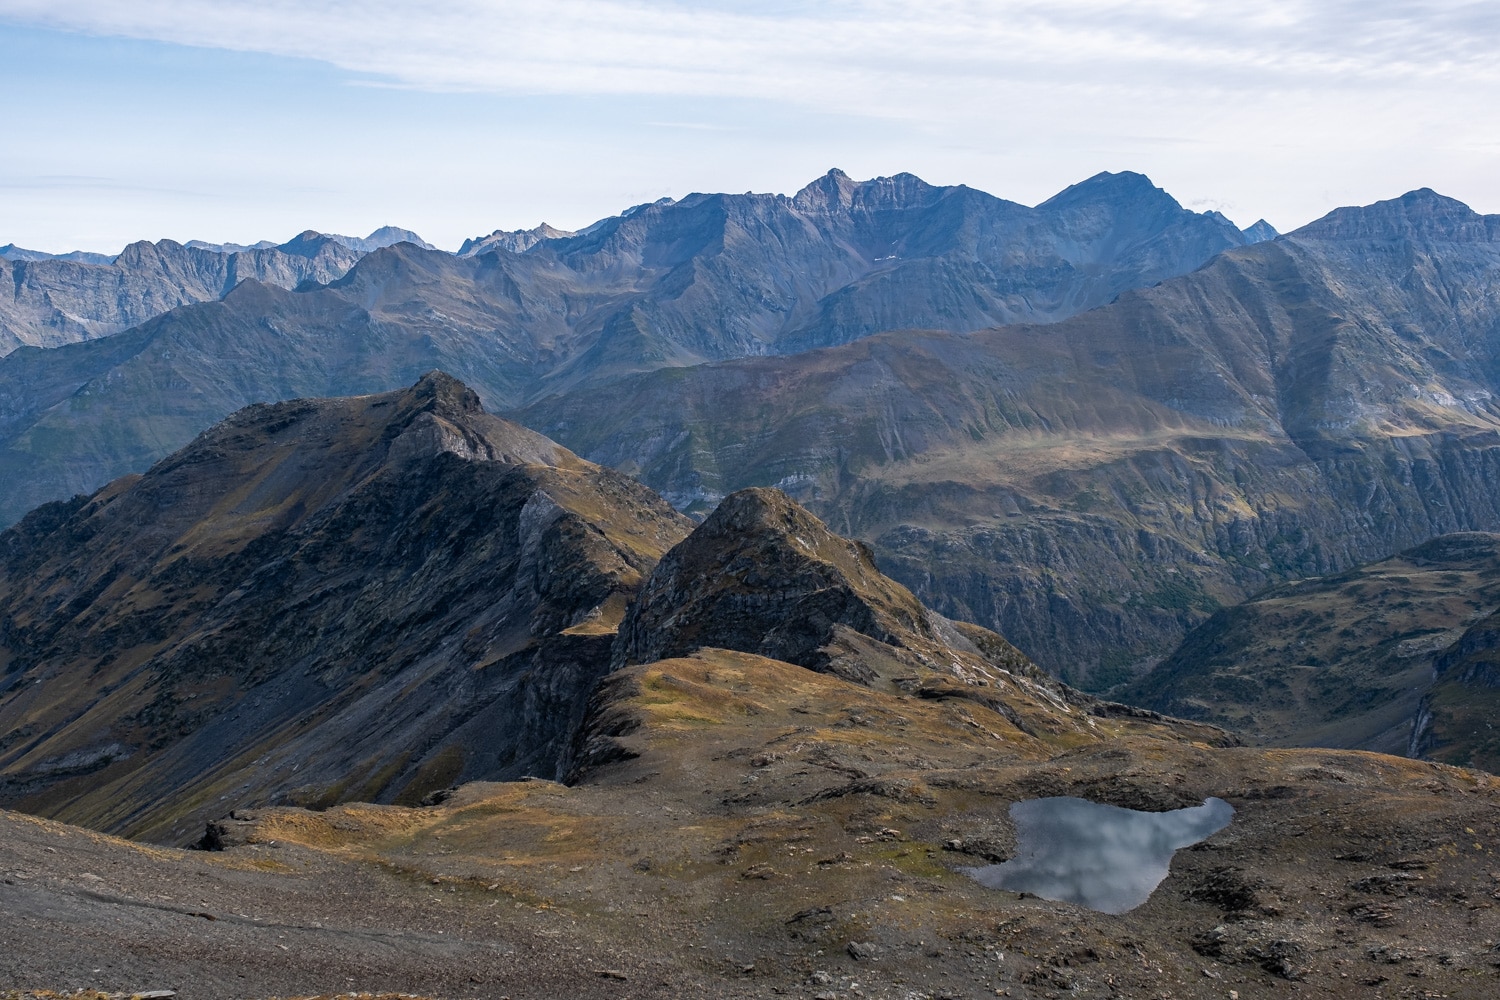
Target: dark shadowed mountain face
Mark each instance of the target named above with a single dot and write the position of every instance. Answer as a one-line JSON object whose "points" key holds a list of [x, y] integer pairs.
{"points": [[51, 301], [668, 284], [320, 600], [1394, 656], [1094, 488]]}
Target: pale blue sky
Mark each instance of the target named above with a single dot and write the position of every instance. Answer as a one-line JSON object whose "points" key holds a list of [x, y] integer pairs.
{"points": [[231, 120]]}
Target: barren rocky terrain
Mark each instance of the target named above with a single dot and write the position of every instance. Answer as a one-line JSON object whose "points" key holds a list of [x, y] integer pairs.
{"points": [[707, 277], [786, 832]]}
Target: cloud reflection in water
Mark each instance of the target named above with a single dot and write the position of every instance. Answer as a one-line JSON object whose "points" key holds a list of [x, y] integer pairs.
{"points": [[1103, 857]]}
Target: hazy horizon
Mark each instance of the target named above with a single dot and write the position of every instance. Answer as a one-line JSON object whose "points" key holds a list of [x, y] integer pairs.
{"points": [[236, 122]]}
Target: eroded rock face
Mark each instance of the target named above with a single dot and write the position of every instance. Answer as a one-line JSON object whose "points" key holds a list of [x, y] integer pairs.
{"points": [[316, 601], [762, 575], [1094, 488]]}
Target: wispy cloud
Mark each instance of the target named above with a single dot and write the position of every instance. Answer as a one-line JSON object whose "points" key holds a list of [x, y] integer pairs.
{"points": [[1285, 107], [879, 56]]}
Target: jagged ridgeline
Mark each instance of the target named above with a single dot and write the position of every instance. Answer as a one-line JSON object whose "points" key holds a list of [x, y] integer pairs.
{"points": [[319, 600], [375, 598], [1091, 488], [521, 315], [63, 299]]}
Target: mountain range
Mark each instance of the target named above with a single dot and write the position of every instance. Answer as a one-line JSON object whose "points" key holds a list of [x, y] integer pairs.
{"points": [[57, 299], [1228, 415], [669, 284], [374, 598], [1095, 487]]}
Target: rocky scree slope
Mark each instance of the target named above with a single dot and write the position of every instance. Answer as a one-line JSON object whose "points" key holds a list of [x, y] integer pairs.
{"points": [[315, 601], [1094, 488], [1392, 656], [780, 830], [705, 278]]}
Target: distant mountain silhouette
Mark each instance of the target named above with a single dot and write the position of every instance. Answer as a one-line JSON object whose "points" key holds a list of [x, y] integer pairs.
{"points": [[705, 278]]}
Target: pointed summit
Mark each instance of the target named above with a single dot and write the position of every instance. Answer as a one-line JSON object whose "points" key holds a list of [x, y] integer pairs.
{"points": [[762, 575], [385, 236], [307, 243], [834, 191], [1260, 232]]}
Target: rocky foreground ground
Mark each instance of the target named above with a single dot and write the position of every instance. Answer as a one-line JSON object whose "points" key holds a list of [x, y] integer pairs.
{"points": [[781, 832]]}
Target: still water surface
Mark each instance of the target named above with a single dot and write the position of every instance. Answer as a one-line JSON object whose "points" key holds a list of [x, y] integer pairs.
{"points": [[1103, 857]]}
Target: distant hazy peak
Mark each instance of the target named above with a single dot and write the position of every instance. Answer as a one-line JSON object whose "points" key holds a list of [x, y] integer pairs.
{"points": [[229, 247], [307, 243], [514, 240], [381, 238], [141, 251], [1125, 186], [834, 190], [1422, 214], [12, 252], [1260, 232]]}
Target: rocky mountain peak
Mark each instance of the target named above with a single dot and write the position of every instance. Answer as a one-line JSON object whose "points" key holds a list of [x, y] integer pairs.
{"points": [[143, 252], [446, 394], [306, 243], [762, 575], [319, 560], [1124, 187], [1260, 231], [513, 241], [1422, 215], [833, 192], [441, 414]]}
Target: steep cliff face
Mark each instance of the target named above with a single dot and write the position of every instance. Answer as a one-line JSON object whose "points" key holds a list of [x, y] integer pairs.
{"points": [[316, 601], [1094, 488], [669, 284], [51, 302]]}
